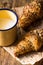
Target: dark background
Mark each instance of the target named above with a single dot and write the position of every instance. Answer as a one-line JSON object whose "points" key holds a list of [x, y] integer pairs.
{"points": [[12, 3]]}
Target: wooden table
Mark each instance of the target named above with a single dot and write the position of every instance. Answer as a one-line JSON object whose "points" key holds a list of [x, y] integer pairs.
{"points": [[6, 58]]}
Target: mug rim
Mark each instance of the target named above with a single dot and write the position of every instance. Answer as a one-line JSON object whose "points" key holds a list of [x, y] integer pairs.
{"points": [[16, 17]]}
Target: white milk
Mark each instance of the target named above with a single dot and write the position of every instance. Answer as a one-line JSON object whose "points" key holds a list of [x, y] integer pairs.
{"points": [[7, 19]]}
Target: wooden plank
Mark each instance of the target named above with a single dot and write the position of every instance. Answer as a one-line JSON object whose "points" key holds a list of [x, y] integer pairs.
{"points": [[7, 59]]}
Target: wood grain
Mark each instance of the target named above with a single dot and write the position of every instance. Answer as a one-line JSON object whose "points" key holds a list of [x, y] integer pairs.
{"points": [[6, 58]]}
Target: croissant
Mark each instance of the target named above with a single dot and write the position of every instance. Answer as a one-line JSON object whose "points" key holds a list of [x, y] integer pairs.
{"points": [[32, 41], [31, 12]]}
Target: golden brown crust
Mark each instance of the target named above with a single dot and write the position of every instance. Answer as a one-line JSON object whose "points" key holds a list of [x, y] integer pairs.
{"points": [[22, 48], [31, 12], [31, 41]]}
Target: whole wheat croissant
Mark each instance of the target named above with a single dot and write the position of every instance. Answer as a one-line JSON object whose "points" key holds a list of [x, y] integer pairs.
{"points": [[31, 13], [32, 41]]}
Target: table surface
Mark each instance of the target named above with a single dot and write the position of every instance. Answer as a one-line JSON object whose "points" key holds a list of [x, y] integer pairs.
{"points": [[6, 58]]}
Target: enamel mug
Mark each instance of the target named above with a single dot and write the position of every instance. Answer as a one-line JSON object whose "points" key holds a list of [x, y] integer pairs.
{"points": [[8, 27]]}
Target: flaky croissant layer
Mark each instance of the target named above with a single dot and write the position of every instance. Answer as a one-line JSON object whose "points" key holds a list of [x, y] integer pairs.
{"points": [[31, 13], [32, 41]]}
